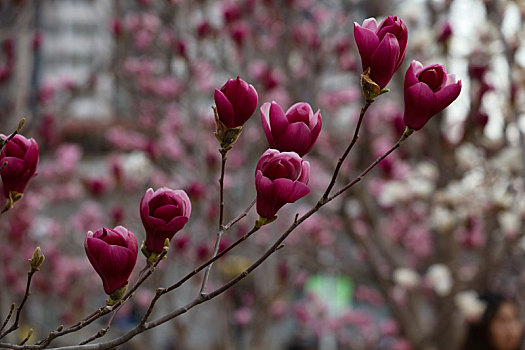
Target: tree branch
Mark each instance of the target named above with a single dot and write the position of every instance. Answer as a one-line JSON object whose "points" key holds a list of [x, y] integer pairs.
{"points": [[348, 149], [221, 220], [16, 323]]}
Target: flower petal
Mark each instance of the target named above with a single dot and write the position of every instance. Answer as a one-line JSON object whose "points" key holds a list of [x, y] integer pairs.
{"points": [[289, 191], [296, 138], [278, 121], [411, 74], [224, 109], [383, 61], [367, 43], [420, 102], [447, 95], [265, 119]]}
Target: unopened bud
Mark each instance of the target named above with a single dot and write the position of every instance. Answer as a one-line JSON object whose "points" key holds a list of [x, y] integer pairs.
{"points": [[166, 245], [37, 260], [21, 125]]}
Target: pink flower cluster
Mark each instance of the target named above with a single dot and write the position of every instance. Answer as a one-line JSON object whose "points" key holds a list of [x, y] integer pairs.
{"points": [[281, 175], [427, 91]]}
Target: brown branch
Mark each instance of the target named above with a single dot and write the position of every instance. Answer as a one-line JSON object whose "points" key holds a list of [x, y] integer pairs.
{"points": [[8, 316], [103, 310], [221, 220], [127, 296], [348, 149], [29, 334], [239, 217], [16, 323], [402, 139], [17, 131], [141, 327]]}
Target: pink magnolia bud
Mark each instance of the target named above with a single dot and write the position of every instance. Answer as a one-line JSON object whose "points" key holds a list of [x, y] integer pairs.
{"points": [[21, 156], [444, 32], [236, 101], [163, 213], [382, 48], [428, 90], [280, 178], [481, 119], [295, 131], [113, 253]]}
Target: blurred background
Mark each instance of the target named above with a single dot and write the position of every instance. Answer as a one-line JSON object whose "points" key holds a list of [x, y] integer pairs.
{"points": [[118, 96]]}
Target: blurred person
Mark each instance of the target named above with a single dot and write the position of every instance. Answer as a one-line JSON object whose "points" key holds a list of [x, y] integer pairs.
{"points": [[499, 328]]}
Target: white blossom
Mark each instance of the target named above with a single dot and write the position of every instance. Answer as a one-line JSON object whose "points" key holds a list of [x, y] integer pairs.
{"points": [[406, 277], [440, 278], [469, 305]]}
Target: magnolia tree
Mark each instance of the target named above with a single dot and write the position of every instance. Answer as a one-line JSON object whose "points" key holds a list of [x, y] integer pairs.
{"points": [[383, 249]]}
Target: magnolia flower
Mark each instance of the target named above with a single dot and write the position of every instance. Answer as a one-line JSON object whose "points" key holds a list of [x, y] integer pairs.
{"points": [[163, 212], [280, 178], [113, 253], [428, 90]]}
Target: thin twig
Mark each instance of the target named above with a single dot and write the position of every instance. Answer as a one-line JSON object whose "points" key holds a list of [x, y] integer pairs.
{"points": [[348, 149], [221, 188], [239, 217], [141, 327], [161, 291], [121, 302], [103, 310], [20, 125], [402, 139], [158, 293], [8, 316], [211, 261], [221, 221], [16, 323], [29, 334], [43, 343]]}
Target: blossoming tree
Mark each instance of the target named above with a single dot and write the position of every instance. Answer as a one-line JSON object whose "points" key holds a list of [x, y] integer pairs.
{"points": [[418, 230]]}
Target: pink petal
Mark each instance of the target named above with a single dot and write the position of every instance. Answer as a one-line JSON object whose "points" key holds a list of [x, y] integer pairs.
{"points": [[278, 121], [244, 108], [316, 130], [296, 138], [384, 60], [420, 102], [367, 43], [166, 212], [370, 23], [410, 75], [300, 112], [176, 224], [267, 207], [225, 109], [305, 173], [15, 166], [289, 191], [265, 118], [14, 150], [447, 95], [31, 157], [144, 202], [263, 184]]}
